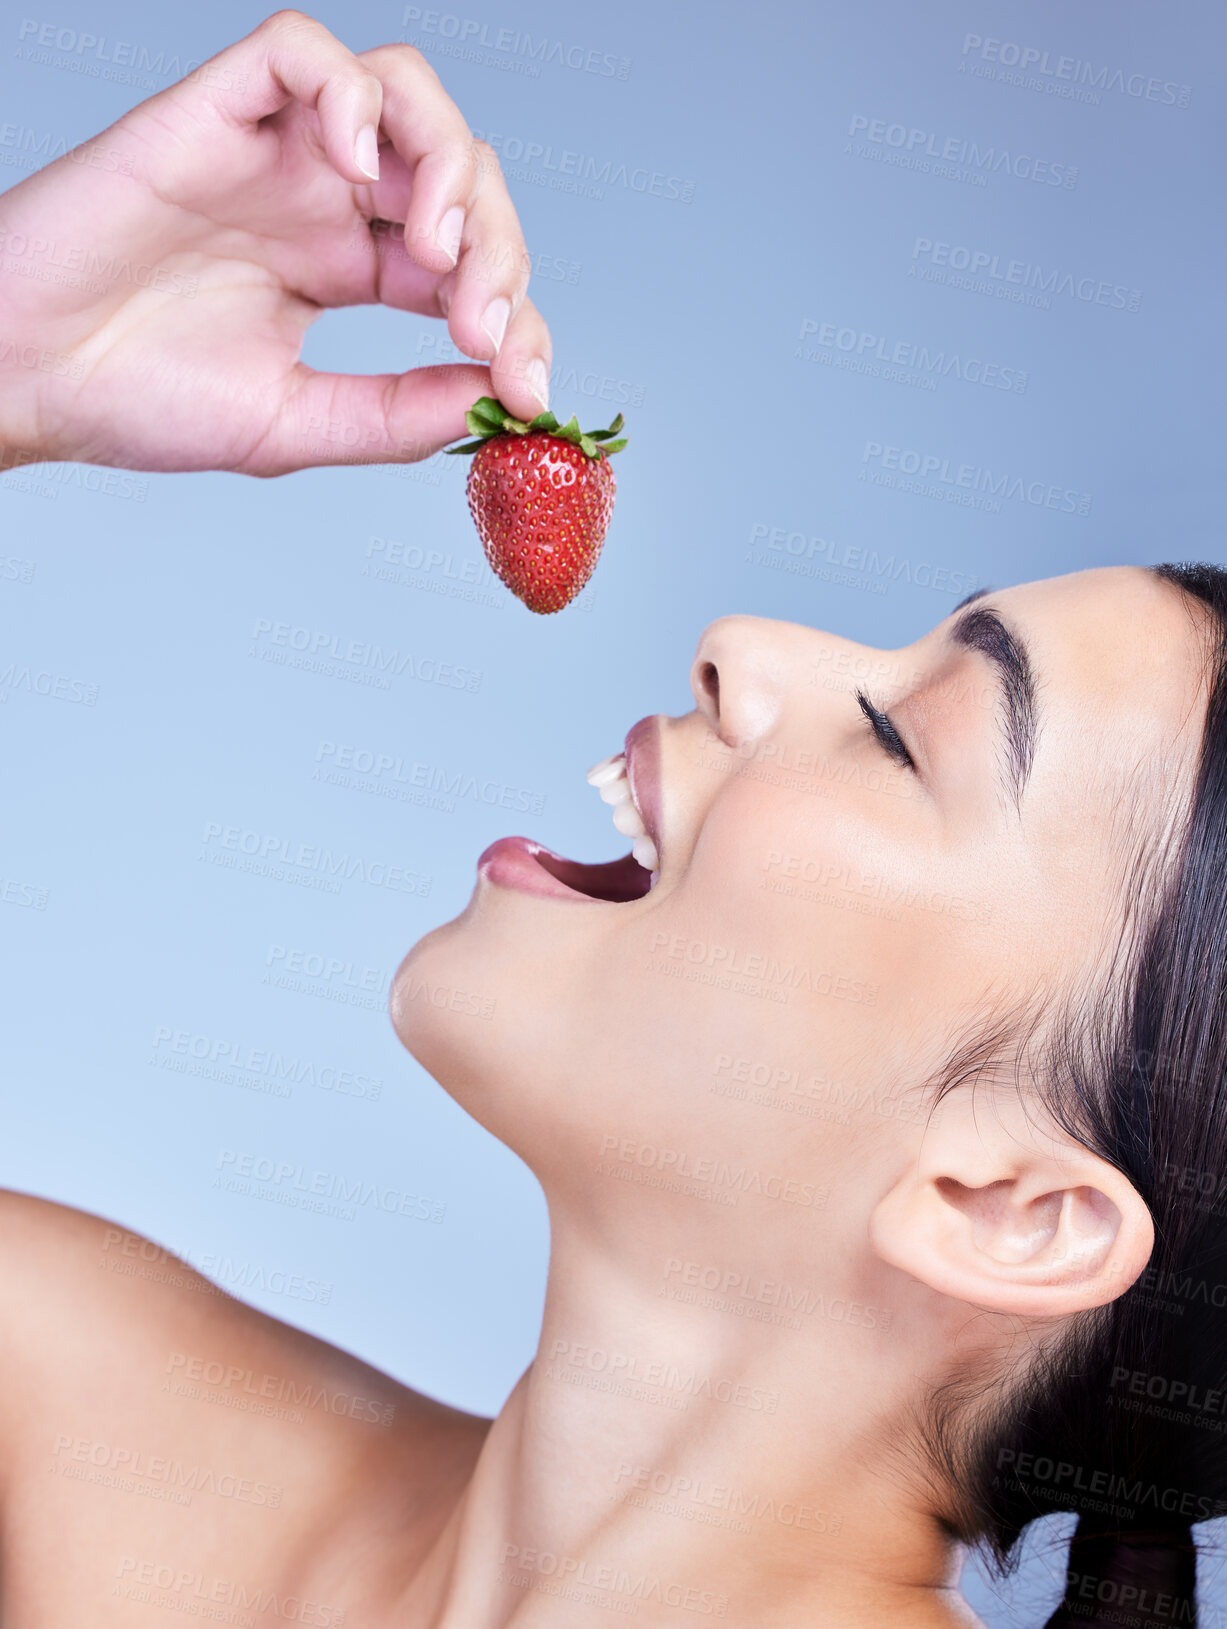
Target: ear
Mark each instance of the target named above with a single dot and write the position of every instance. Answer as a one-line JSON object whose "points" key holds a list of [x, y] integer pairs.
{"points": [[1012, 1215]]}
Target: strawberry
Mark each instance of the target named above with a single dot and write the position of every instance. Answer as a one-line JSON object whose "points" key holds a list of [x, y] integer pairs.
{"points": [[541, 495]]}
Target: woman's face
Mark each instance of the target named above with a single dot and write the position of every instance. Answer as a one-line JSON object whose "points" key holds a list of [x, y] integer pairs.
{"points": [[839, 895]]}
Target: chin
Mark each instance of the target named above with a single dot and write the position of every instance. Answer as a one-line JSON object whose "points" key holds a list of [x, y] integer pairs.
{"points": [[485, 1003], [500, 1004], [434, 1002]]}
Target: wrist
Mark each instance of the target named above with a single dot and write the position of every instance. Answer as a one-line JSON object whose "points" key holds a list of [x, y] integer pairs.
{"points": [[37, 376], [21, 440]]}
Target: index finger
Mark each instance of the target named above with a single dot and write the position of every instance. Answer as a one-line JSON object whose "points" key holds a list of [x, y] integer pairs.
{"points": [[291, 57]]}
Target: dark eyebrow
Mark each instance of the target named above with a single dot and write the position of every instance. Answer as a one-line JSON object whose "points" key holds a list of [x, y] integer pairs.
{"points": [[984, 631], [976, 594]]}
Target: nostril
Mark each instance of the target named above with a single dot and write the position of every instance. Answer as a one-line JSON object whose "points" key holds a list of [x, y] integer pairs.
{"points": [[709, 683]]}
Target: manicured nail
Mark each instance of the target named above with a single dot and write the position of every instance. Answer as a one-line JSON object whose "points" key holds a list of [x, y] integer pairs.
{"points": [[448, 234], [366, 151], [494, 320], [537, 378]]}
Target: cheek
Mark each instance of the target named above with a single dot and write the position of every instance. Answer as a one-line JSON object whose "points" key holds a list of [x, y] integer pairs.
{"points": [[770, 872], [740, 960], [839, 903]]}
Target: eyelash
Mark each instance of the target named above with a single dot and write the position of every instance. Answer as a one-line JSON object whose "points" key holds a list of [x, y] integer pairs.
{"points": [[887, 736]]}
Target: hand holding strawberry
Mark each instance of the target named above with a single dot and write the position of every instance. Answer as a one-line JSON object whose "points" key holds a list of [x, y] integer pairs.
{"points": [[541, 495], [284, 177]]}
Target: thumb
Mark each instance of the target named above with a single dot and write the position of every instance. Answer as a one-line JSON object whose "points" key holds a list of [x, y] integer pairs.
{"points": [[370, 418]]}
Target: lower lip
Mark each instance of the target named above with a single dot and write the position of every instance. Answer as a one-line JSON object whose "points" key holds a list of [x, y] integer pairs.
{"points": [[529, 868], [512, 863]]}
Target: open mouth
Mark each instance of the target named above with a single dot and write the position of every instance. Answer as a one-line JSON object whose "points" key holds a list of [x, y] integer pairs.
{"points": [[629, 783], [617, 881], [530, 868]]}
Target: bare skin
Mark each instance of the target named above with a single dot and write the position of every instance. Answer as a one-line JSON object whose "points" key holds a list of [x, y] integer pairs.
{"points": [[128, 1485], [661, 1452], [753, 1288], [118, 1466], [163, 276]]}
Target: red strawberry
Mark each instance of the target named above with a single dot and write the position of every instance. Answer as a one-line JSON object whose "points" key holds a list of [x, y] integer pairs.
{"points": [[541, 496]]}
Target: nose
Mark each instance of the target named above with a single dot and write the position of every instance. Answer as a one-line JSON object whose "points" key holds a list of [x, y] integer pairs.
{"points": [[739, 677]]}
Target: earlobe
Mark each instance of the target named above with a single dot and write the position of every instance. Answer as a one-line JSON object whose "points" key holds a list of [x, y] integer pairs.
{"points": [[1006, 1217]]}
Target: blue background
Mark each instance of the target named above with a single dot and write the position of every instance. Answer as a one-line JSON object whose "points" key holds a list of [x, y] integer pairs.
{"points": [[722, 326]]}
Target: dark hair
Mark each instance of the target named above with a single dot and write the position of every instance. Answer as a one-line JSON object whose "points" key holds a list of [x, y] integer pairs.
{"points": [[1123, 1417]]}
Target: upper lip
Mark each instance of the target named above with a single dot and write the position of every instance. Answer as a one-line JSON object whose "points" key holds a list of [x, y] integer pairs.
{"points": [[642, 749]]}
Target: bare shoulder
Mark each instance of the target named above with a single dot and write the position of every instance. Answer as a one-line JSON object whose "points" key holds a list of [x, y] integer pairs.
{"points": [[77, 1289], [126, 1372]]}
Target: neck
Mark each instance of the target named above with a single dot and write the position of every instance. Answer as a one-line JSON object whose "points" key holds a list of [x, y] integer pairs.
{"points": [[661, 1456]]}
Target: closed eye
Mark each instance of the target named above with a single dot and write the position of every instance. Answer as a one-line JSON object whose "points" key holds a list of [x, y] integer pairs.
{"points": [[887, 735]]}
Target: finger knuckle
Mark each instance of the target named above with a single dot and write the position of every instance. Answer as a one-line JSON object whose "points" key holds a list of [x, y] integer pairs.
{"points": [[400, 55], [468, 175], [536, 328], [485, 160], [361, 79], [289, 21], [522, 262], [504, 266]]}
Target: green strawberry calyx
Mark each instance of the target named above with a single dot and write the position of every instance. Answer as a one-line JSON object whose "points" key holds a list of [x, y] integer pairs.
{"points": [[488, 418]]}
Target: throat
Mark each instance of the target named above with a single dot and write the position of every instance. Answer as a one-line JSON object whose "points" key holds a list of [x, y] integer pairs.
{"points": [[647, 1463]]}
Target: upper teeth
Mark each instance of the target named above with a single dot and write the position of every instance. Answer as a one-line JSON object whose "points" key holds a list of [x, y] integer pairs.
{"points": [[610, 779]]}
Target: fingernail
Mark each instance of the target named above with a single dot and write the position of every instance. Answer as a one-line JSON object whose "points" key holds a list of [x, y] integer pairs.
{"points": [[448, 233], [366, 151], [494, 320], [537, 378]]}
